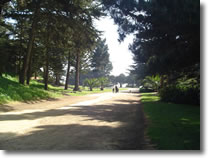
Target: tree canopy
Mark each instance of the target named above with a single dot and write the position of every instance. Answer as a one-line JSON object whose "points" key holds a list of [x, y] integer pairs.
{"points": [[101, 64], [166, 38], [46, 35]]}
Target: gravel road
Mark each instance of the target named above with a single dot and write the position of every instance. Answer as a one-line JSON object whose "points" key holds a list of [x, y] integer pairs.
{"points": [[105, 121]]}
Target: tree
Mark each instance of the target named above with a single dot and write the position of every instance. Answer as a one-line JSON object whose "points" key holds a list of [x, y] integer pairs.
{"points": [[121, 79], [167, 40], [68, 70], [96, 63], [30, 42], [88, 40], [151, 82], [131, 79], [102, 82], [101, 64], [91, 83], [167, 46], [57, 63], [51, 25], [2, 3]]}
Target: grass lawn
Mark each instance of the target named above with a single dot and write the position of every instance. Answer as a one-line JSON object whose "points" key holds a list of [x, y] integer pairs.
{"points": [[172, 126], [11, 90], [84, 90]]}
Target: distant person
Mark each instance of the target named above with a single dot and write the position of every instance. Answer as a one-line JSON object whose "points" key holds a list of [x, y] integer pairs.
{"points": [[113, 90], [117, 90]]}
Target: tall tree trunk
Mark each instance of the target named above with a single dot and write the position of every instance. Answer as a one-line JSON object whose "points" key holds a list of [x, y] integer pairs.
{"points": [[35, 75], [16, 65], [46, 71], [20, 52], [19, 66], [57, 82], [77, 67], [30, 43], [68, 72], [29, 72]]}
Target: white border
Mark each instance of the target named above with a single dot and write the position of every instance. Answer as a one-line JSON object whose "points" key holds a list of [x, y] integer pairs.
{"points": [[155, 154]]}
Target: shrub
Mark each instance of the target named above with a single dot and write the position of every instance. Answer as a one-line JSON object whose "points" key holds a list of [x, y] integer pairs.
{"points": [[180, 94], [91, 83], [103, 81]]}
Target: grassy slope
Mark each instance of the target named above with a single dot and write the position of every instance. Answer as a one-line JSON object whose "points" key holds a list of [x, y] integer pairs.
{"points": [[11, 90], [172, 126]]}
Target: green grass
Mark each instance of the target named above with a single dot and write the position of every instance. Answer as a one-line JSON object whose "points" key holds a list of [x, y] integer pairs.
{"points": [[86, 91], [172, 126], [11, 90]]}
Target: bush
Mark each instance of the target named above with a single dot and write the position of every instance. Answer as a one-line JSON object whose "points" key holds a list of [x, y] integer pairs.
{"points": [[180, 94], [91, 83]]}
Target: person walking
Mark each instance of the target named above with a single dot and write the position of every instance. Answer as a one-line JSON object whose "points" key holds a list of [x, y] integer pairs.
{"points": [[113, 90], [117, 90]]}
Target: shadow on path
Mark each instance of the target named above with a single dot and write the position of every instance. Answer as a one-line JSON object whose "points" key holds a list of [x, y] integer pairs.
{"points": [[129, 134]]}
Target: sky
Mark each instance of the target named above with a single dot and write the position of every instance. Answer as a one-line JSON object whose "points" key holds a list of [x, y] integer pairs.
{"points": [[120, 56]]}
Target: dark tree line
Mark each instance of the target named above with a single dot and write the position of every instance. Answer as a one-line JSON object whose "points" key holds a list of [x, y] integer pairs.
{"points": [[47, 35], [166, 38], [96, 64]]}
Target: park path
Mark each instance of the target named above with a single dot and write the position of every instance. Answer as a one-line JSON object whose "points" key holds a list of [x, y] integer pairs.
{"points": [[103, 122]]}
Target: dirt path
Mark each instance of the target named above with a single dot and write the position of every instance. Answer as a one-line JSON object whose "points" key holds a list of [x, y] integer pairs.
{"points": [[104, 121]]}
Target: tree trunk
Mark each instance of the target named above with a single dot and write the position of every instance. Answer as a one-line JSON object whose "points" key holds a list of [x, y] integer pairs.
{"points": [[47, 56], [68, 71], [30, 44], [20, 52], [35, 75], [77, 67], [57, 82], [16, 65], [29, 72], [28, 75], [46, 71]]}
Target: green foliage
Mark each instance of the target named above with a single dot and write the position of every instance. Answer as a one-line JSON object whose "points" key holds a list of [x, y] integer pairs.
{"points": [[150, 84], [101, 63], [40, 32], [119, 79], [91, 83], [131, 79], [103, 81], [98, 63], [180, 94], [166, 41], [172, 126]]}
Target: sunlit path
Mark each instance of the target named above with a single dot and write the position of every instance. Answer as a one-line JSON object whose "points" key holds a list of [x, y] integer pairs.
{"points": [[111, 121]]}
